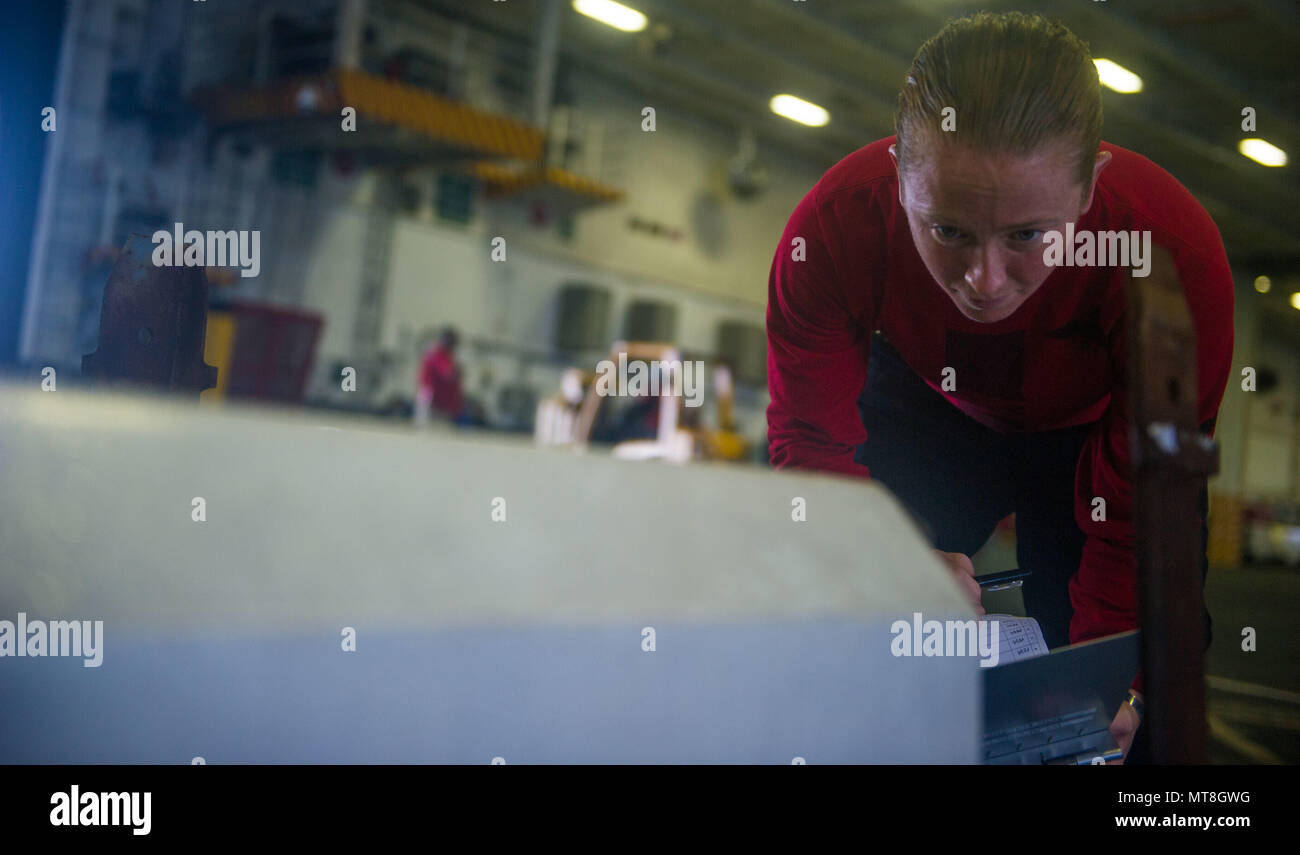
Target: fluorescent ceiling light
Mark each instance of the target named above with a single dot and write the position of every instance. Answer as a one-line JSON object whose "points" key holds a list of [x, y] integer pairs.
{"points": [[1263, 152], [1295, 300], [1117, 77], [616, 15], [799, 110]]}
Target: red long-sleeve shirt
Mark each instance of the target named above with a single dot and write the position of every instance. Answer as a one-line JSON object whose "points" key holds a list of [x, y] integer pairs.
{"points": [[1057, 361], [440, 380]]}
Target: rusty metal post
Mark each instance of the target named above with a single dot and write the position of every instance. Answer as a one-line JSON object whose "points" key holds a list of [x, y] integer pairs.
{"points": [[152, 325], [1172, 460]]}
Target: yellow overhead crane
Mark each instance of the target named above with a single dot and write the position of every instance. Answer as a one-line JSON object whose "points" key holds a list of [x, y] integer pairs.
{"points": [[396, 121]]}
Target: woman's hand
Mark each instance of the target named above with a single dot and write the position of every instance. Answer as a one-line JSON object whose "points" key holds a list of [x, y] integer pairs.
{"points": [[1123, 727], [965, 573]]}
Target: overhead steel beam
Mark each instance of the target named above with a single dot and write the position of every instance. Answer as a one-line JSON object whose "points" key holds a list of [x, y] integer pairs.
{"points": [[1197, 68], [717, 103], [544, 64], [349, 33], [706, 97], [880, 69], [1275, 13], [1210, 171], [878, 111]]}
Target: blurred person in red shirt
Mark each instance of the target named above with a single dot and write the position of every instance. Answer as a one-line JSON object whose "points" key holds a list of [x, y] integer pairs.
{"points": [[439, 387]]}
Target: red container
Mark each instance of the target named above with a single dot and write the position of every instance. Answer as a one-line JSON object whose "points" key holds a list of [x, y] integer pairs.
{"points": [[273, 350]]}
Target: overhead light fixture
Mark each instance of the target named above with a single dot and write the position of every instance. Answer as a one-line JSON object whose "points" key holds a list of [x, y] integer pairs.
{"points": [[1262, 151], [799, 110], [613, 14], [1295, 300], [1262, 284], [1117, 77]]}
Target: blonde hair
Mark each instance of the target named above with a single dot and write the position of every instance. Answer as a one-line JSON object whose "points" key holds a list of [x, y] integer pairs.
{"points": [[1017, 83]]}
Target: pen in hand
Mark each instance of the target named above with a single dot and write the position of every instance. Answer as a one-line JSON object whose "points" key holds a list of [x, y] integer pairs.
{"points": [[1002, 580]]}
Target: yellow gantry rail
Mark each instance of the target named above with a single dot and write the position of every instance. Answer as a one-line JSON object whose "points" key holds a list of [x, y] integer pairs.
{"points": [[504, 181], [438, 117], [447, 123]]}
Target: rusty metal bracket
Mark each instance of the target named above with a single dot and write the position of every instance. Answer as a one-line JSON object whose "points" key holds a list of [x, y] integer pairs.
{"points": [[1172, 460]]}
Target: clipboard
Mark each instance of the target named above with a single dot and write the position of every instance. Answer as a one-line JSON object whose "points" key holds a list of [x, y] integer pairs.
{"points": [[1058, 708]]}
